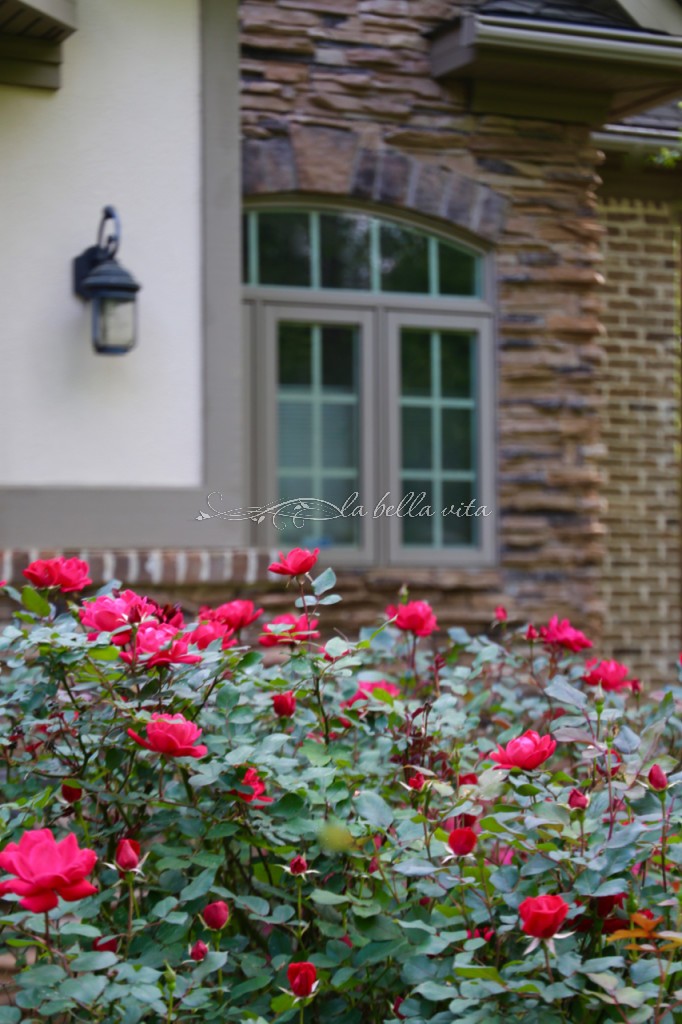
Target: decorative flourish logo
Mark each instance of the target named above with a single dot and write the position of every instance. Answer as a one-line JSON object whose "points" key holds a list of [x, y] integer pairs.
{"points": [[299, 511]]}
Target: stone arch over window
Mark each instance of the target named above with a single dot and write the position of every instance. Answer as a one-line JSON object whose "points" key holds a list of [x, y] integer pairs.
{"points": [[332, 162]]}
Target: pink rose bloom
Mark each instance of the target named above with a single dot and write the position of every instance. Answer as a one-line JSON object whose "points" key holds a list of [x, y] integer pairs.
{"points": [[612, 675], [501, 613], [299, 630], [414, 617], [67, 574], [46, 869], [298, 562], [365, 691], [236, 615], [173, 735], [107, 613], [206, 632], [159, 644], [562, 634], [528, 751]]}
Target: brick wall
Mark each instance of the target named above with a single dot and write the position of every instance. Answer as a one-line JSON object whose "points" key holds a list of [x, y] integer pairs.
{"points": [[641, 392]]}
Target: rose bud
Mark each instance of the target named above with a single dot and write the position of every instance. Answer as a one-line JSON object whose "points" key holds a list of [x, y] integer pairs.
{"points": [[302, 978], [284, 704], [658, 780], [578, 800], [417, 781], [501, 613], [127, 855], [71, 793], [298, 865], [216, 915], [462, 841], [105, 945], [199, 951], [532, 633]]}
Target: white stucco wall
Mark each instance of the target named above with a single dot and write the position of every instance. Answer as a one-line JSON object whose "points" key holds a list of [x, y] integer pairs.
{"points": [[123, 129]]}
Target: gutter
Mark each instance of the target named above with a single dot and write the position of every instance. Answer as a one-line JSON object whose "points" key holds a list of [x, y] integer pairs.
{"points": [[561, 40], [622, 137]]}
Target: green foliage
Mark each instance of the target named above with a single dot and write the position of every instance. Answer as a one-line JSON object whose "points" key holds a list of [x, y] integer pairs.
{"points": [[383, 909]]}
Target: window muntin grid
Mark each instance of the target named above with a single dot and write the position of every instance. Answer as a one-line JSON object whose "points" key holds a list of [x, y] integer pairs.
{"points": [[350, 251]]}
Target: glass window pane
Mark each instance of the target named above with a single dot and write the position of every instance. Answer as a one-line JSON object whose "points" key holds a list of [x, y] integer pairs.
{"points": [[339, 357], [295, 355], [416, 438], [284, 248], [456, 365], [295, 435], [294, 490], [339, 436], [344, 251], [404, 260], [245, 248], [344, 529], [419, 496], [457, 271], [456, 439], [459, 528], [415, 362]]}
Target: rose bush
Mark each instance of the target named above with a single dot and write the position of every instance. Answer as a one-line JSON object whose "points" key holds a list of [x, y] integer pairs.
{"points": [[414, 824]]}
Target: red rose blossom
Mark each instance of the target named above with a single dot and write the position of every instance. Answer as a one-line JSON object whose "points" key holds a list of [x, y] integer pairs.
{"points": [[105, 945], [71, 793], [159, 644], [127, 854], [298, 865], [610, 675], [298, 562], [417, 781], [206, 632], [543, 916], [68, 574], [302, 978], [173, 735], [109, 612], [563, 634], [528, 751], [46, 869], [300, 629], [216, 915], [658, 780], [413, 617], [284, 704], [199, 951], [468, 779], [253, 782], [462, 841], [236, 615]]}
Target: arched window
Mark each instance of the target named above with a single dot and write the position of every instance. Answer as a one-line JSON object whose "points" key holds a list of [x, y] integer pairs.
{"points": [[373, 369]]}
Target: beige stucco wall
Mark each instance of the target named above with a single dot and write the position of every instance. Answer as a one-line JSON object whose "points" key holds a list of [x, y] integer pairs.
{"points": [[123, 129]]}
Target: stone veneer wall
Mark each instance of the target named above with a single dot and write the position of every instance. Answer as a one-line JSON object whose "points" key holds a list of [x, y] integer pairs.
{"points": [[337, 99], [641, 578]]}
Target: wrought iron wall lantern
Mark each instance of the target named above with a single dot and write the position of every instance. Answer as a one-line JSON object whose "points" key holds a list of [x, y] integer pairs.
{"points": [[99, 279]]}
